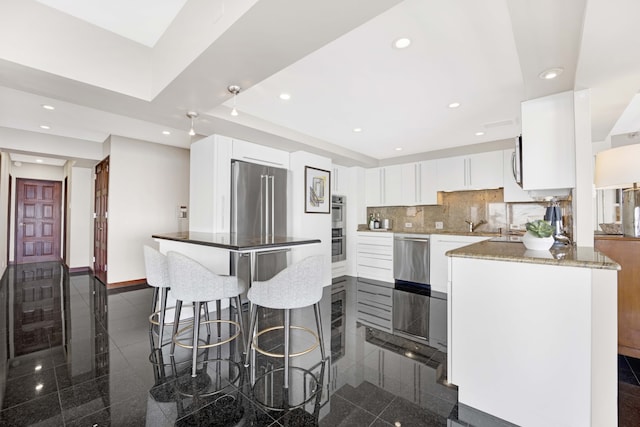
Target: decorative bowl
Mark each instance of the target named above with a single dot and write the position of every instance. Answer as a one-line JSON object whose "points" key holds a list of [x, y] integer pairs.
{"points": [[611, 228]]}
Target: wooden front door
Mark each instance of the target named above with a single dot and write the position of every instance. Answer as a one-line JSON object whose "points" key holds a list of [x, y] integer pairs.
{"points": [[100, 222], [38, 220]]}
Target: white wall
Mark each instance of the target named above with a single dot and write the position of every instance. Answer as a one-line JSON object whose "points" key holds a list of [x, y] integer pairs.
{"points": [[5, 166], [80, 218], [32, 171], [301, 224], [147, 183]]}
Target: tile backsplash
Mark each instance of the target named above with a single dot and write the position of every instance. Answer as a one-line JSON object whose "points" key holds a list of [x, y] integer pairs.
{"points": [[454, 208]]}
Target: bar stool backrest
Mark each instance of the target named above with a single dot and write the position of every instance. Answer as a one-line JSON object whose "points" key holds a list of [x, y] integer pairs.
{"points": [[192, 281], [299, 285], [156, 267]]}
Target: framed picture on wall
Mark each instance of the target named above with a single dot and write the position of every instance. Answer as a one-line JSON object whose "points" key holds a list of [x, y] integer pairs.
{"points": [[317, 185]]}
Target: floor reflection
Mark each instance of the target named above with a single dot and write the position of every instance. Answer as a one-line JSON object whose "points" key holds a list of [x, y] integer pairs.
{"points": [[73, 354]]}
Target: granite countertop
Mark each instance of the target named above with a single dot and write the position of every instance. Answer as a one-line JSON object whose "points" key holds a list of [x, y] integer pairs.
{"points": [[568, 256], [449, 232], [233, 242]]}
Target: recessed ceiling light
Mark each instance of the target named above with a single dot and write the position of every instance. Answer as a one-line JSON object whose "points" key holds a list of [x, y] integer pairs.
{"points": [[46, 127], [357, 129], [402, 43], [479, 133], [398, 148], [551, 73], [285, 96], [166, 132], [39, 160], [454, 105], [48, 107]]}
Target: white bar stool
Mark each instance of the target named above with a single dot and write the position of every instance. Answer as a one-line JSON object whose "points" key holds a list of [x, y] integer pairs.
{"points": [[191, 281], [297, 286], [157, 272]]}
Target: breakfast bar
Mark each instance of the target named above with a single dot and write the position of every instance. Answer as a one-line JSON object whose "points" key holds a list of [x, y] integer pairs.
{"points": [[532, 334]]}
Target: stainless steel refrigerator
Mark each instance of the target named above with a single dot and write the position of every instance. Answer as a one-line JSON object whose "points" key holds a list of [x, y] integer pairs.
{"points": [[258, 210]]}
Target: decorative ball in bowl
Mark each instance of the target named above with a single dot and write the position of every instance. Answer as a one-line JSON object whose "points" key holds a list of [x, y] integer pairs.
{"points": [[611, 228], [539, 236]]}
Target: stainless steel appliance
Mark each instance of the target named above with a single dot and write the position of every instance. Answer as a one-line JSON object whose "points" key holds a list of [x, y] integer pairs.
{"points": [[516, 161], [338, 211], [338, 222], [411, 294], [258, 209]]}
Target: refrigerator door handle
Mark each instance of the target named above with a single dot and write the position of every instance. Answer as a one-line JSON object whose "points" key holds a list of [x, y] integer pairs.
{"points": [[263, 208], [272, 198]]}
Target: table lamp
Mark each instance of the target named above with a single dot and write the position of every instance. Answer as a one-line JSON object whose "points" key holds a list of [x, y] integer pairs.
{"points": [[620, 168]]}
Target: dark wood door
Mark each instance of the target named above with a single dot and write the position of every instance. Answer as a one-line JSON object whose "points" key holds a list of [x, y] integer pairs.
{"points": [[38, 220], [100, 228]]}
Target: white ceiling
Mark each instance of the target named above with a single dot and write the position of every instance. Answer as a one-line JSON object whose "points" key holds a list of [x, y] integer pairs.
{"points": [[335, 58]]}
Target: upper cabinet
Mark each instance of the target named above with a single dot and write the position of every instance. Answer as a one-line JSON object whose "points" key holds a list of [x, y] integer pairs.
{"points": [[261, 154], [548, 142], [512, 191], [339, 180], [401, 185], [472, 172]]}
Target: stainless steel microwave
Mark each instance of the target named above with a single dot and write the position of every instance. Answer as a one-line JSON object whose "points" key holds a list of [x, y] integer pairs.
{"points": [[338, 211]]}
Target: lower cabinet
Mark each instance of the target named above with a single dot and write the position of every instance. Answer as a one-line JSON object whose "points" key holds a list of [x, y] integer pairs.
{"points": [[375, 304], [626, 252], [439, 262]]}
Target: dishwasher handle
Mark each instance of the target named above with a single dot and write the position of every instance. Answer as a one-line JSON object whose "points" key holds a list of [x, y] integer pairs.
{"points": [[413, 239]]}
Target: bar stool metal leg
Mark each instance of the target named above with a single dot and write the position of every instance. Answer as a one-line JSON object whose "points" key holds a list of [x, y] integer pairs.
{"points": [[316, 310], [196, 332], [163, 307], [287, 331], [176, 322]]}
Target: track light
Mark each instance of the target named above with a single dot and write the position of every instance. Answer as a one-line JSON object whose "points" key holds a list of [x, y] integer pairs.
{"points": [[235, 90], [192, 115]]}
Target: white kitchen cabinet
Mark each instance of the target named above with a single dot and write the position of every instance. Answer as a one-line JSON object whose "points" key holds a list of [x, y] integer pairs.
{"points": [[439, 262], [512, 191], [452, 173], [256, 153], [472, 172], [374, 255], [548, 142], [427, 181], [339, 180], [210, 185], [396, 185], [392, 185], [373, 187]]}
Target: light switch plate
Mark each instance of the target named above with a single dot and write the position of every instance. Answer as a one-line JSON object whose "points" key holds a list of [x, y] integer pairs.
{"points": [[408, 225], [439, 225]]}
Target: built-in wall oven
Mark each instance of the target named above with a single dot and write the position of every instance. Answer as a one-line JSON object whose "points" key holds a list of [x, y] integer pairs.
{"points": [[338, 236]]}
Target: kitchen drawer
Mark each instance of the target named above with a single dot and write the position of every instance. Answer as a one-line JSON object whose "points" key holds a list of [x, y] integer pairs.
{"points": [[372, 249]]}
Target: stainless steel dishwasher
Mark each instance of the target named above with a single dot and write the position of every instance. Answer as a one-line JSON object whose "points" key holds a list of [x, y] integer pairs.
{"points": [[411, 293]]}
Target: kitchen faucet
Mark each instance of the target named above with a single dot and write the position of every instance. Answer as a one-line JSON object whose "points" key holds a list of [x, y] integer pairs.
{"points": [[472, 226]]}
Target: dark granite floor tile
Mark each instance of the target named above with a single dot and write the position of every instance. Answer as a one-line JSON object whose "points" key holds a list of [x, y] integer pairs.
{"points": [[44, 411], [29, 364], [346, 414], [96, 395], [131, 412], [366, 396], [404, 413], [29, 387]]}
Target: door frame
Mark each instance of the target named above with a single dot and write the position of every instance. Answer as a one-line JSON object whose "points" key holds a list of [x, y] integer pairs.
{"points": [[58, 235]]}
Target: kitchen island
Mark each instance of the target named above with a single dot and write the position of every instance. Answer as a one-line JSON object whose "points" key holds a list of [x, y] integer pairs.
{"points": [[532, 334]]}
